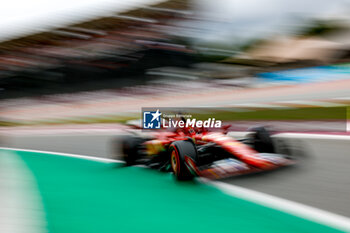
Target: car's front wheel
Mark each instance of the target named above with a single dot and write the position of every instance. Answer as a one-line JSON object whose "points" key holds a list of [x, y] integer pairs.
{"points": [[178, 150]]}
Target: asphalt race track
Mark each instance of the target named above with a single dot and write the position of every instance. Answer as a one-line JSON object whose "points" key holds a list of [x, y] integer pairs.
{"points": [[321, 178]]}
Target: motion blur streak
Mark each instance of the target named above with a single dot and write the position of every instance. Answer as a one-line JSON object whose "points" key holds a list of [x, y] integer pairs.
{"points": [[308, 212], [21, 208], [75, 75]]}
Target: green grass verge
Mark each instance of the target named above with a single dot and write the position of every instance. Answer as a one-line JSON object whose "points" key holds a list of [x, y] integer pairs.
{"points": [[306, 113], [311, 113]]}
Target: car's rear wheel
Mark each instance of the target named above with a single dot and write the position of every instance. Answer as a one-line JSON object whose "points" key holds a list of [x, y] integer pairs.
{"points": [[262, 141], [130, 149], [178, 150]]}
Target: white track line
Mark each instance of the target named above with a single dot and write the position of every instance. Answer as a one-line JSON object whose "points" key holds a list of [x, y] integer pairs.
{"points": [[291, 207], [342, 98], [312, 136], [241, 134], [311, 103], [98, 159], [256, 105]]}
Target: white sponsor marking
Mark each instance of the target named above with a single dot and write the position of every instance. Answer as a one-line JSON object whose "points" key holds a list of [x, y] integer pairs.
{"points": [[291, 207]]}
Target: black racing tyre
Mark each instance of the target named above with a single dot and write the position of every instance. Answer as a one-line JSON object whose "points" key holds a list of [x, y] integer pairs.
{"points": [[262, 141], [130, 149], [178, 150]]}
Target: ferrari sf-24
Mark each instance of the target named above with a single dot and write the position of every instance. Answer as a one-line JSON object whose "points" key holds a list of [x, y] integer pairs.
{"points": [[192, 152]]}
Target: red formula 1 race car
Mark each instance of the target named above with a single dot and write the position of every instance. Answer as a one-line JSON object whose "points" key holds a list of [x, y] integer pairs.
{"points": [[189, 152]]}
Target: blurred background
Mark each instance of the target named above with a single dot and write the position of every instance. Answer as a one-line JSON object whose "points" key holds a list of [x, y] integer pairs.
{"points": [[74, 74], [101, 61]]}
